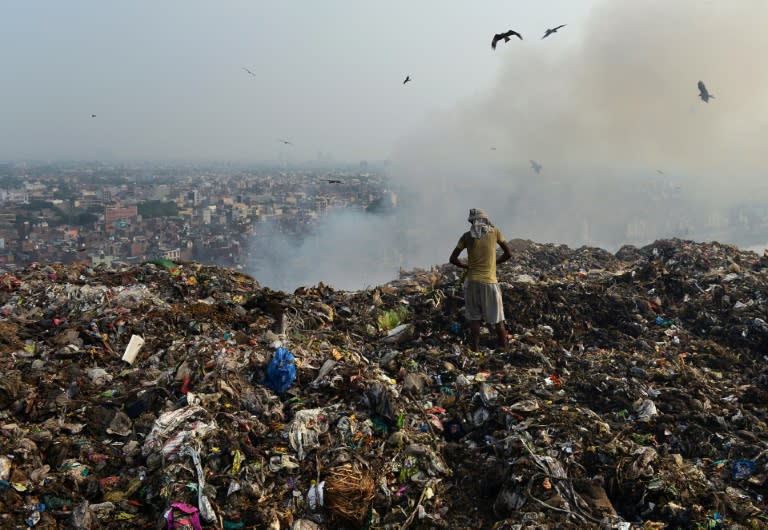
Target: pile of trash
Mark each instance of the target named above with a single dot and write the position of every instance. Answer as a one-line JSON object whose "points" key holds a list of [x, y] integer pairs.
{"points": [[176, 395]]}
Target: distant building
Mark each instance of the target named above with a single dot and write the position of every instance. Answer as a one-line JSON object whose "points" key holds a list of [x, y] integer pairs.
{"points": [[88, 199], [115, 213], [14, 196], [171, 254], [101, 259], [208, 214], [321, 204], [137, 248], [7, 218], [160, 192], [70, 233]]}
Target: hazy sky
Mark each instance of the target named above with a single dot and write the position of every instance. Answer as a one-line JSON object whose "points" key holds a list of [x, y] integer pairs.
{"points": [[609, 106], [166, 79]]}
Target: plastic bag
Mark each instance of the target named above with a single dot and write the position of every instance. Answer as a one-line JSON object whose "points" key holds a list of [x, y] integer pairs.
{"points": [[182, 516], [281, 372]]}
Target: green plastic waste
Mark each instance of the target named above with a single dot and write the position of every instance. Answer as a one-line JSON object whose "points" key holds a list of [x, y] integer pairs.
{"points": [[162, 262]]}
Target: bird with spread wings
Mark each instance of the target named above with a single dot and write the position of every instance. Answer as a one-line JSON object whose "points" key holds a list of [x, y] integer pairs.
{"points": [[553, 30], [505, 36]]}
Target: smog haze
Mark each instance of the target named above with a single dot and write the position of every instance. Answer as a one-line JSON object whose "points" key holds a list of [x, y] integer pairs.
{"points": [[608, 106]]}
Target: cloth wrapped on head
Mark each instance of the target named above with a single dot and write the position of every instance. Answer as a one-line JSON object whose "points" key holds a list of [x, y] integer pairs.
{"points": [[481, 225], [477, 213]]}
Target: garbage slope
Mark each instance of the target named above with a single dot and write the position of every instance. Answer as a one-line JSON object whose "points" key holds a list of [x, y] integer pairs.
{"points": [[632, 395]]}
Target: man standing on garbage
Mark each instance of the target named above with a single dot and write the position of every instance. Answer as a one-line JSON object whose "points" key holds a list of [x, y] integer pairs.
{"points": [[482, 295]]}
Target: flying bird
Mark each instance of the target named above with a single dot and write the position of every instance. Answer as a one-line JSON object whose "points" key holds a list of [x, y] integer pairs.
{"points": [[407, 78], [505, 36], [553, 30], [244, 68], [704, 93], [93, 115], [493, 148], [660, 172], [536, 166], [286, 142], [333, 181]]}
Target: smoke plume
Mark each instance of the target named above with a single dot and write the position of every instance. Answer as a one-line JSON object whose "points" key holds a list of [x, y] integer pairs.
{"points": [[629, 153]]}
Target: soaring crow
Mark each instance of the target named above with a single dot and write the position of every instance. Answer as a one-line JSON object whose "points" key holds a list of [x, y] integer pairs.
{"points": [[553, 30], [704, 94], [407, 78], [505, 36], [333, 181], [536, 166]]}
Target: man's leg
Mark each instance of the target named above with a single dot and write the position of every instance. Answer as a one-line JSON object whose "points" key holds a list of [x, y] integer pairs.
{"points": [[474, 335], [501, 335]]}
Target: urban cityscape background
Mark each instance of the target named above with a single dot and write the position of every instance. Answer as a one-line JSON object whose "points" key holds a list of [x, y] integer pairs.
{"points": [[348, 226]]}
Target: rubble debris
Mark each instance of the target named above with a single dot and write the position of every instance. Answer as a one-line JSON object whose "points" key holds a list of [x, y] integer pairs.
{"points": [[175, 395]]}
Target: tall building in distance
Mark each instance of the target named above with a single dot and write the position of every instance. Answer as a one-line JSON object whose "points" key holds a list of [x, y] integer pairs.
{"points": [[115, 213]]}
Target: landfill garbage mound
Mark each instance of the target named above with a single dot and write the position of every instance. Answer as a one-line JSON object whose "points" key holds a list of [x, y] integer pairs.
{"points": [[176, 395]]}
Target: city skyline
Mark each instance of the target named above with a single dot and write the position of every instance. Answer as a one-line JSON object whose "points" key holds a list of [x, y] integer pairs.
{"points": [[290, 228]]}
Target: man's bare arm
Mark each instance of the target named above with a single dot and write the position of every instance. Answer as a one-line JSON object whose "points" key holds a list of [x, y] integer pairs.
{"points": [[454, 259], [507, 252]]}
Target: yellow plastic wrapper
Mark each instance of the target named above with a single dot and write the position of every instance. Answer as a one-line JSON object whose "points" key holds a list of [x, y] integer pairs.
{"points": [[237, 459]]}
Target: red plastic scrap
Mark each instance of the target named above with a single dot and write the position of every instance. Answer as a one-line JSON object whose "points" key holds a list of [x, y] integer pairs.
{"points": [[108, 482], [556, 380], [9, 282]]}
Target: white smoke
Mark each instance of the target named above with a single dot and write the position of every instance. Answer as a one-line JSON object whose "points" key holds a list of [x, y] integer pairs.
{"points": [[629, 152], [602, 118]]}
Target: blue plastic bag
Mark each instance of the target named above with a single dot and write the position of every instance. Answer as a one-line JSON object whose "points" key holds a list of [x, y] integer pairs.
{"points": [[281, 372], [743, 469]]}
